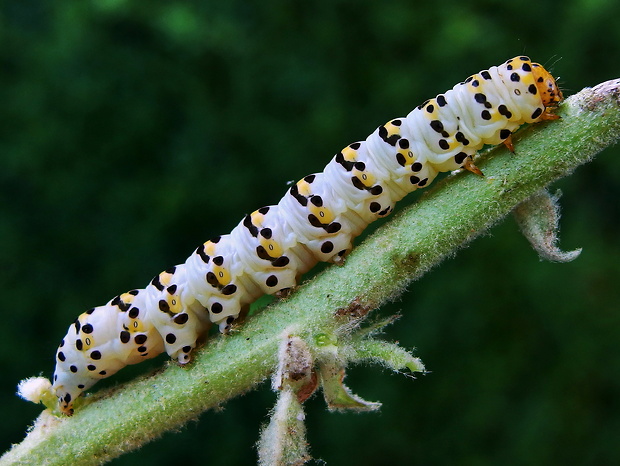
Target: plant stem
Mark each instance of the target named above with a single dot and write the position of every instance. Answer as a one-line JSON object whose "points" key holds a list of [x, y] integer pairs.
{"points": [[448, 216]]}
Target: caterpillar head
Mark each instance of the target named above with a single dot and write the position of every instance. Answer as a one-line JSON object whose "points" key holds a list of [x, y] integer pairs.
{"points": [[547, 87]]}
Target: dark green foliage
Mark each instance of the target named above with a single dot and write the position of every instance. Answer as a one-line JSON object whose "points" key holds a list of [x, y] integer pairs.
{"points": [[130, 132]]}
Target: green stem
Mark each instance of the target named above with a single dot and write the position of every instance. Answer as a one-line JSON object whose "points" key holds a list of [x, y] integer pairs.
{"points": [[449, 216]]}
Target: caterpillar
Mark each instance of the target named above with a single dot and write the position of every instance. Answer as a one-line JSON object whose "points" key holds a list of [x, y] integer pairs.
{"points": [[316, 220]]}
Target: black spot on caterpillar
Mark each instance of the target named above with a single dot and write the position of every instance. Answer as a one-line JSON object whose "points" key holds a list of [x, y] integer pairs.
{"points": [[316, 220]]}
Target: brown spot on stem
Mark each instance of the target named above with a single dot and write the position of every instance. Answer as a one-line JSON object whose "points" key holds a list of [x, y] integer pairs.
{"points": [[356, 309]]}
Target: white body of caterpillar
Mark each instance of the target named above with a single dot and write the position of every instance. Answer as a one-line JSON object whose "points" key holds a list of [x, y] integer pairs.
{"points": [[316, 220]]}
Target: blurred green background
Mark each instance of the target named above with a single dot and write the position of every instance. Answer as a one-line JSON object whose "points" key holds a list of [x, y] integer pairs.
{"points": [[132, 131]]}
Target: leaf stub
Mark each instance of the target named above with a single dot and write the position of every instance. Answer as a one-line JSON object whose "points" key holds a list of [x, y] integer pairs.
{"points": [[538, 218]]}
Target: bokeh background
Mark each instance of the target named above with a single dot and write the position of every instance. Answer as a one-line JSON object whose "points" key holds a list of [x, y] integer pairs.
{"points": [[131, 131]]}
